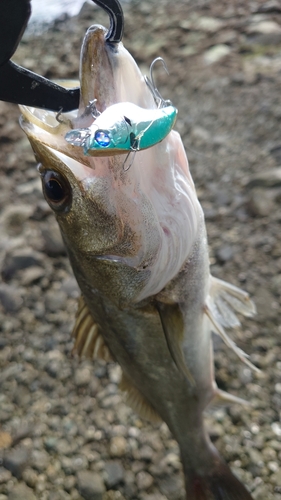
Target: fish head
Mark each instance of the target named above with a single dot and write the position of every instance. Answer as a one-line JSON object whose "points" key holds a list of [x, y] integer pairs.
{"points": [[128, 231]]}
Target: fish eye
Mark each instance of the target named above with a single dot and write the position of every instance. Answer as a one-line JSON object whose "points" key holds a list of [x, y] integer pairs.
{"points": [[57, 190], [102, 137]]}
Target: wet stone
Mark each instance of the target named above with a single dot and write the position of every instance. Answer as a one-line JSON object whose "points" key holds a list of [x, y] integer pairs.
{"points": [[5, 475], [114, 473], [90, 485]]}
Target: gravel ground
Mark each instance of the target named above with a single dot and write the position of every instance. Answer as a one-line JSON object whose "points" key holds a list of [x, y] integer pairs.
{"points": [[65, 432]]}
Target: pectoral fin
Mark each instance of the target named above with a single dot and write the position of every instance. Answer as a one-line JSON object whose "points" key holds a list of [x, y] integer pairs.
{"points": [[173, 328], [88, 340]]}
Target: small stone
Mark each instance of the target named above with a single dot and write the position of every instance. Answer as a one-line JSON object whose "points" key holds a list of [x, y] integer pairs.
{"points": [[10, 298], [13, 218], [82, 376], [5, 475], [224, 253], [90, 485], [114, 473], [30, 477], [5, 440], [267, 179], [40, 460], [276, 427], [260, 203], [112, 495], [209, 24], [31, 275], [53, 244], [71, 288], [55, 300], [17, 460], [20, 259], [264, 28], [21, 492], [118, 446], [216, 53], [144, 480]]}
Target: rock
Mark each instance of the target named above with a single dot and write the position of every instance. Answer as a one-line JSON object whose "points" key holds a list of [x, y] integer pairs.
{"points": [[5, 475], [114, 473], [13, 217], [31, 275], [40, 460], [10, 298], [20, 259], [144, 480], [59, 495], [90, 485], [53, 244], [55, 300], [17, 460], [71, 288], [111, 495], [264, 28], [208, 24], [260, 203], [82, 376], [216, 53], [268, 179], [21, 492], [118, 446], [225, 253], [5, 440]]}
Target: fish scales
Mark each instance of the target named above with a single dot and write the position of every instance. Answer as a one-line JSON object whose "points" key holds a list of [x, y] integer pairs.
{"points": [[137, 244]]}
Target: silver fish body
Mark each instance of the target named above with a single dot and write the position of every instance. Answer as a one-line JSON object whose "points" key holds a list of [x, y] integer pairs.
{"points": [[137, 244]]}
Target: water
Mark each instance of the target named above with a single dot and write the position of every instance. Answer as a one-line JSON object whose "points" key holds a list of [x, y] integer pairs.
{"points": [[46, 12]]}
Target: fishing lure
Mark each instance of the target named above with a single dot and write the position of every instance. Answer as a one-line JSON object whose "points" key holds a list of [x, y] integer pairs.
{"points": [[126, 127]]}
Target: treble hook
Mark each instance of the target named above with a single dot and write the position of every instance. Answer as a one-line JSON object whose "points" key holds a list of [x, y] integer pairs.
{"points": [[159, 100], [20, 85]]}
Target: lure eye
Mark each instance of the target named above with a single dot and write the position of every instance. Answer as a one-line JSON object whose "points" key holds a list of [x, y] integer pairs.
{"points": [[102, 138], [57, 190]]}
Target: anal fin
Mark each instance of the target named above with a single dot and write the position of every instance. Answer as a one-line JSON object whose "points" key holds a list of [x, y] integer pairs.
{"points": [[137, 401]]}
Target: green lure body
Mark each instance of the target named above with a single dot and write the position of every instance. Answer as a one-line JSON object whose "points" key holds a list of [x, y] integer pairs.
{"points": [[124, 127]]}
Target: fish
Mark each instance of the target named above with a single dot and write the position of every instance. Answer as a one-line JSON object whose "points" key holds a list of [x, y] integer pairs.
{"points": [[124, 127], [137, 243]]}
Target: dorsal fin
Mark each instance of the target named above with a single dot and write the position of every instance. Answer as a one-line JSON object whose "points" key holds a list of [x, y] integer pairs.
{"points": [[88, 340], [137, 401]]}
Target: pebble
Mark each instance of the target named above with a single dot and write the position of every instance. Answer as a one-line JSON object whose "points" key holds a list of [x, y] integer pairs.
{"points": [[216, 53], [266, 179], [53, 244], [114, 473], [16, 460], [260, 203], [21, 492], [90, 485], [13, 217], [225, 253], [144, 480], [118, 446], [10, 298], [83, 376], [20, 259]]}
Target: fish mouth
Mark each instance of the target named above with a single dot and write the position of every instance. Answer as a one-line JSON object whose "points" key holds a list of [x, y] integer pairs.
{"points": [[132, 262]]}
